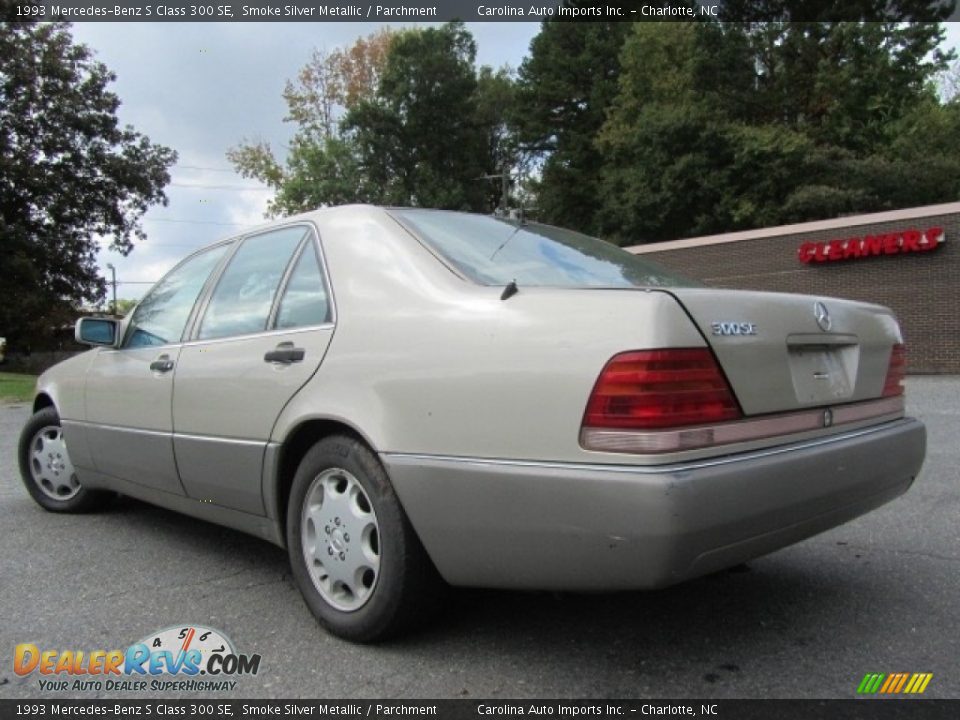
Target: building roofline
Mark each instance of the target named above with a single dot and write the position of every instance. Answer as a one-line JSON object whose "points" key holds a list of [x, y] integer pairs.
{"points": [[799, 228]]}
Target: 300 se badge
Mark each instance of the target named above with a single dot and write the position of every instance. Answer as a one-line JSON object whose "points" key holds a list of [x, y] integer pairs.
{"points": [[180, 650], [733, 328]]}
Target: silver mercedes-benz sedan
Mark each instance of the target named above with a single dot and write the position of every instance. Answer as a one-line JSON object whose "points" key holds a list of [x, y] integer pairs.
{"points": [[404, 397]]}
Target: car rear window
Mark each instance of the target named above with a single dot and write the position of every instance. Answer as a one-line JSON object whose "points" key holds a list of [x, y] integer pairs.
{"points": [[496, 251]]}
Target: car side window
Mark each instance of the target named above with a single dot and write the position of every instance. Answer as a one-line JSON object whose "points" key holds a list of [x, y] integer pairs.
{"points": [[162, 315], [241, 302], [305, 301]]}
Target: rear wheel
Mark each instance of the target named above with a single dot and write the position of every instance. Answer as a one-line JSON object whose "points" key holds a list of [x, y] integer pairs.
{"points": [[46, 468], [354, 555]]}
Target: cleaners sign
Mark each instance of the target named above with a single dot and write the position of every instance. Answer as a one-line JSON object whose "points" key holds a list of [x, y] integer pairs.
{"points": [[892, 243]]}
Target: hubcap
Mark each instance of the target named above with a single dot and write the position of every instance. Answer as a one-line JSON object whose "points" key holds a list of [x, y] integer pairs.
{"points": [[341, 539], [50, 465]]}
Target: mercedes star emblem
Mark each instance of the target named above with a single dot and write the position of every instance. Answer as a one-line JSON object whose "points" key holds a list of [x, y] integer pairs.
{"points": [[822, 316]]}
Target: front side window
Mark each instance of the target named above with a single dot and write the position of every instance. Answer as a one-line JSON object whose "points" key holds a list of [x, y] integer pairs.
{"points": [[241, 302], [494, 251], [162, 315], [305, 300]]}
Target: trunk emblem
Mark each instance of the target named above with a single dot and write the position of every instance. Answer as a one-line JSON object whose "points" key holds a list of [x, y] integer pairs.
{"points": [[822, 316], [827, 418], [733, 328]]}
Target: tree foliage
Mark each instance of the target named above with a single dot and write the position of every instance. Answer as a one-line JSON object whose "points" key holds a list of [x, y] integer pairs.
{"points": [[799, 121], [322, 166], [332, 82], [68, 174], [786, 110], [399, 118], [564, 90]]}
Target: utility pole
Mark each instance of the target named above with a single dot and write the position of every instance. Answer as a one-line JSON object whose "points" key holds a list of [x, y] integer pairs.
{"points": [[504, 177], [113, 283], [504, 187]]}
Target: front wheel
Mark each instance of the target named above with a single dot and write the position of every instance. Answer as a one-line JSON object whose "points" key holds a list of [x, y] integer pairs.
{"points": [[46, 469], [354, 555]]}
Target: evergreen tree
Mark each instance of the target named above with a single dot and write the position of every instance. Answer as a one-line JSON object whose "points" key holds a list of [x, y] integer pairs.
{"points": [[68, 174], [565, 87]]}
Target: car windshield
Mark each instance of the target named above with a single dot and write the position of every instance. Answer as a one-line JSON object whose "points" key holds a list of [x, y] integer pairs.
{"points": [[495, 251]]}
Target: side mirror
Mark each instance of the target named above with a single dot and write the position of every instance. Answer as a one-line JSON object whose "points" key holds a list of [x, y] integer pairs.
{"points": [[97, 331]]}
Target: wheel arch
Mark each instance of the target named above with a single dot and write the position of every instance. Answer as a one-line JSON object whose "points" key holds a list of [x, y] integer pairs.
{"points": [[41, 401], [298, 442]]}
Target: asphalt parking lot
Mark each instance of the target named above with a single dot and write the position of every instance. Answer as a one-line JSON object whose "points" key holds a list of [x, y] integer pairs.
{"points": [[881, 594]]}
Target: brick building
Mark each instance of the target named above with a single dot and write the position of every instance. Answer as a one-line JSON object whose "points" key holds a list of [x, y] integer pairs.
{"points": [[908, 260]]}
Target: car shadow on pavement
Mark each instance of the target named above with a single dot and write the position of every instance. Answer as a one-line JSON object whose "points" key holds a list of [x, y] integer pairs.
{"points": [[724, 609]]}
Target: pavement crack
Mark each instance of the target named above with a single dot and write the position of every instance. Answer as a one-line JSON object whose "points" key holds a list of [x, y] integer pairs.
{"points": [[179, 586], [895, 551]]}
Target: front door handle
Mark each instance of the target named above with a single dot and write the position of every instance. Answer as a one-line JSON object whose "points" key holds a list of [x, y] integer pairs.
{"points": [[162, 364], [285, 353]]}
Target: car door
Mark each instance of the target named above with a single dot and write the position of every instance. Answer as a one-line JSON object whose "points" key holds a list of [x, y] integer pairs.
{"points": [[129, 391], [261, 335]]}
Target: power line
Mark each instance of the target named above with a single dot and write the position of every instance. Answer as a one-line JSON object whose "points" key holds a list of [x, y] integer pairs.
{"points": [[200, 167], [222, 187], [196, 222], [154, 244]]}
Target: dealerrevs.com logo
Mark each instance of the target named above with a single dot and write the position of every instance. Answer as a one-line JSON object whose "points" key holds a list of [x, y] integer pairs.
{"points": [[178, 658]]}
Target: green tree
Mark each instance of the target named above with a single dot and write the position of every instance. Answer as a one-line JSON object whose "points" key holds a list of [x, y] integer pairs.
{"points": [[323, 165], [495, 97], [399, 118], [800, 121], [419, 138], [68, 174], [842, 83], [565, 87]]}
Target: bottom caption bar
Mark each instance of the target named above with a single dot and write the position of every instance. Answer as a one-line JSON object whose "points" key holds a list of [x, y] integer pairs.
{"points": [[876, 709]]}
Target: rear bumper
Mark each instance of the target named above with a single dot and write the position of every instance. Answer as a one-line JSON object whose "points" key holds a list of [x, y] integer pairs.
{"points": [[518, 524]]}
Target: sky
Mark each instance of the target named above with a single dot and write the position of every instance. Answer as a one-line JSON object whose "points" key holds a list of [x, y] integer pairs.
{"points": [[201, 88]]}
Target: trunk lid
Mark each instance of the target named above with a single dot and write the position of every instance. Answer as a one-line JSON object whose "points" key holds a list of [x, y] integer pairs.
{"points": [[786, 352]]}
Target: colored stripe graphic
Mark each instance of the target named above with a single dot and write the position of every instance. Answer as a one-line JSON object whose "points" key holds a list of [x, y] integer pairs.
{"points": [[894, 683], [900, 682], [891, 680], [870, 683]]}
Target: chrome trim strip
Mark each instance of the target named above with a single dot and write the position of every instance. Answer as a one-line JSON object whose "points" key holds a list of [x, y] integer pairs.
{"points": [[169, 434], [229, 338], [264, 333], [645, 469], [218, 439], [710, 436], [120, 428]]}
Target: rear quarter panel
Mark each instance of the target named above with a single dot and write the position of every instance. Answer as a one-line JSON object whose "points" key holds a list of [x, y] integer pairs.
{"points": [[423, 361]]}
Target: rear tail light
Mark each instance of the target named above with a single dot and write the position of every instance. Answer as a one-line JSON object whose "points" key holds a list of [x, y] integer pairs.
{"points": [[896, 371], [660, 389], [661, 401]]}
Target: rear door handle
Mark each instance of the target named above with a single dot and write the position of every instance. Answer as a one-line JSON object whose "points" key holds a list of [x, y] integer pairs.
{"points": [[285, 353], [162, 364]]}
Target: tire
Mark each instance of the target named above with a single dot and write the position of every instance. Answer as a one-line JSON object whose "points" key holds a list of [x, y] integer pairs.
{"points": [[364, 574], [46, 470]]}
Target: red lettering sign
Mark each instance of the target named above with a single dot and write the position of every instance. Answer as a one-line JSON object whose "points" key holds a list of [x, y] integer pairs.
{"points": [[893, 243]]}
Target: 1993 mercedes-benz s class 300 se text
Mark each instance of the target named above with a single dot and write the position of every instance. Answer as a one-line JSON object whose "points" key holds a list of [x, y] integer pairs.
{"points": [[404, 397]]}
